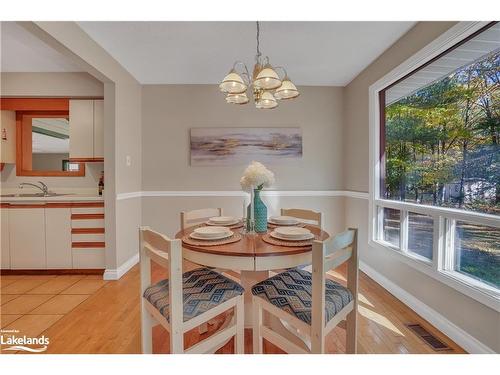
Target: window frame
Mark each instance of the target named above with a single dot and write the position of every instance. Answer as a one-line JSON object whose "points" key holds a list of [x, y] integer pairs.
{"points": [[441, 267]]}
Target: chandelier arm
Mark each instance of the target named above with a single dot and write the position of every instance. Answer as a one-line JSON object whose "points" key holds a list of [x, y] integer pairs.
{"points": [[283, 70], [245, 73]]}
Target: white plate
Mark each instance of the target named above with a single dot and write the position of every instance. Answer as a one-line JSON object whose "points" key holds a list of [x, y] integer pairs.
{"points": [[292, 232], [220, 237], [211, 232], [308, 236], [222, 220], [284, 220], [235, 221]]}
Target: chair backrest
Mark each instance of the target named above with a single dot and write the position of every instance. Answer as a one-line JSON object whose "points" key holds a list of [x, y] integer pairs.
{"points": [[194, 217], [308, 216], [328, 255], [167, 253]]}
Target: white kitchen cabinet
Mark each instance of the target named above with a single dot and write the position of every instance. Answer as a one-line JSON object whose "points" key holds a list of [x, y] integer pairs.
{"points": [[86, 129], [81, 129], [5, 251], [8, 131], [27, 238], [98, 128], [58, 238]]}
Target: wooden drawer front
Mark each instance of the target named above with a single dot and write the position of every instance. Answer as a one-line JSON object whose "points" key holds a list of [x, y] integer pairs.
{"points": [[87, 237], [87, 210], [89, 258], [92, 223]]}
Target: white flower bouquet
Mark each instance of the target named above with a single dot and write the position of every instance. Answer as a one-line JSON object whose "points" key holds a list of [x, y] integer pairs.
{"points": [[256, 176]]}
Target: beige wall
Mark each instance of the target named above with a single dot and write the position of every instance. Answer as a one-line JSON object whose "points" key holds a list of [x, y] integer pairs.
{"points": [[51, 84], [169, 111], [477, 320], [122, 132]]}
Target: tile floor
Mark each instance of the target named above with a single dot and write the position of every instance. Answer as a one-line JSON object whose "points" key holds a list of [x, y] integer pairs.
{"points": [[31, 304]]}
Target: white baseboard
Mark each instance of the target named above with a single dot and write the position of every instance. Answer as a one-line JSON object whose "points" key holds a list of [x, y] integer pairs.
{"points": [[116, 274], [462, 338]]}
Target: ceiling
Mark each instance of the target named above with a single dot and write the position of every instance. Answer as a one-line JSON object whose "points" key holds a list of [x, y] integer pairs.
{"points": [[314, 53], [21, 51]]}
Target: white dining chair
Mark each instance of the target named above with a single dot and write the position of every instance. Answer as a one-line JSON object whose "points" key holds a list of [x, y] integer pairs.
{"points": [[309, 302], [185, 300], [308, 216], [195, 217]]}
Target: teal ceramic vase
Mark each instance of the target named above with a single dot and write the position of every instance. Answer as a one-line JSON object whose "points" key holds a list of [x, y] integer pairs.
{"points": [[260, 213]]}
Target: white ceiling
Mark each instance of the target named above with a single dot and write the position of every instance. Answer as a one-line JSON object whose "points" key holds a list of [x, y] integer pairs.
{"points": [[314, 53], [21, 51]]}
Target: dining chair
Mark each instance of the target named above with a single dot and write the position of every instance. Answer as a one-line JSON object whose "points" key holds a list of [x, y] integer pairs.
{"points": [[185, 300], [309, 302], [312, 217], [194, 217]]}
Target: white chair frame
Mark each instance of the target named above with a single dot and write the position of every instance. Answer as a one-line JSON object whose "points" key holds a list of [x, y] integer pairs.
{"points": [[194, 217], [168, 254], [312, 217], [326, 255]]}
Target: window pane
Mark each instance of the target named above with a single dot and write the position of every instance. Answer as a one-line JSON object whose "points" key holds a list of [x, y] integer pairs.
{"points": [[391, 226], [420, 234], [442, 130], [477, 252]]}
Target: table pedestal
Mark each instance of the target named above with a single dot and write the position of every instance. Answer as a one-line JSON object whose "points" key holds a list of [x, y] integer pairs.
{"points": [[249, 279]]}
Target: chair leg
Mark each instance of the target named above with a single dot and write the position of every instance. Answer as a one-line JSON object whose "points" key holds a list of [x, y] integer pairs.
{"points": [[257, 323], [176, 341], [147, 322], [239, 339], [351, 332]]}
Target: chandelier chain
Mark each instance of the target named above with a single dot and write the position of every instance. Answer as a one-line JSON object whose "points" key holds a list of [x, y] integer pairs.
{"points": [[258, 40]]}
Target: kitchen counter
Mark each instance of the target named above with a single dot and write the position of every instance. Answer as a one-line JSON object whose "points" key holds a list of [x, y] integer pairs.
{"points": [[59, 198]]}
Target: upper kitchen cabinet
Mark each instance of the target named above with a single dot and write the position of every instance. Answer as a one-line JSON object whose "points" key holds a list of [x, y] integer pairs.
{"points": [[8, 137], [86, 126]]}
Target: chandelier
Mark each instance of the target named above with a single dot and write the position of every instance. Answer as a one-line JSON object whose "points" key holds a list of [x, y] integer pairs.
{"points": [[266, 85]]}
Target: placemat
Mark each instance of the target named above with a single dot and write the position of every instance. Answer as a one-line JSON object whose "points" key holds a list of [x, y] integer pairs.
{"points": [[274, 241], [194, 242]]}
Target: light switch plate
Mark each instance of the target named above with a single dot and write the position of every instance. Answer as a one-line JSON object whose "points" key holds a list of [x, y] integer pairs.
{"points": [[128, 161]]}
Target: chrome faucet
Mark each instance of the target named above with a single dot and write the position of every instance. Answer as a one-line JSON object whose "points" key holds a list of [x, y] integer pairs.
{"points": [[42, 187]]}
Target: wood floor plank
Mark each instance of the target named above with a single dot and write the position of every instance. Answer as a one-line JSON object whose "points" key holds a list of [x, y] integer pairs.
{"points": [[114, 308]]}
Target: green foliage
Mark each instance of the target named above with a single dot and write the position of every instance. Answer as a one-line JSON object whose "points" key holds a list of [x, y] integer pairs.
{"points": [[446, 136]]}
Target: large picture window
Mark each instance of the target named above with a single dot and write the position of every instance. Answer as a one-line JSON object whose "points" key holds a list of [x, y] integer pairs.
{"points": [[438, 200]]}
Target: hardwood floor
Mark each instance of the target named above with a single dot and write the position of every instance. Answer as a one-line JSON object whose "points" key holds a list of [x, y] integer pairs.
{"points": [[108, 321]]}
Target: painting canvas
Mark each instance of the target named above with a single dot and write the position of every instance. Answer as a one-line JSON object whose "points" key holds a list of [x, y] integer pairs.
{"points": [[238, 146]]}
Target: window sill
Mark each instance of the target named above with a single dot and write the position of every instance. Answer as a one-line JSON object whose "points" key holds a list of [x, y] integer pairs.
{"points": [[470, 287]]}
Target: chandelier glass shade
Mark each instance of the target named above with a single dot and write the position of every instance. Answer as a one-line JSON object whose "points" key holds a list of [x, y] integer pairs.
{"points": [[266, 84]]}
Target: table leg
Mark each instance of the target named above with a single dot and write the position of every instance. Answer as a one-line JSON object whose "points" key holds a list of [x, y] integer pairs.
{"points": [[249, 279]]}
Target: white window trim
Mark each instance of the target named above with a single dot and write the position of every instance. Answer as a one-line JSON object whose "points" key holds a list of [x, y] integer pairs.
{"points": [[438, 268]]}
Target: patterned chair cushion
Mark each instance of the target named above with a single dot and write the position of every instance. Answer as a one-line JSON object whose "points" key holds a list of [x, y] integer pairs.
{"points": [[203, 289], [291, 291]]}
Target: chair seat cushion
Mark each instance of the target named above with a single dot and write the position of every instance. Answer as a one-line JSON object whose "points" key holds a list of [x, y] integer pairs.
{"points": [[291, 291], [203, 289]]}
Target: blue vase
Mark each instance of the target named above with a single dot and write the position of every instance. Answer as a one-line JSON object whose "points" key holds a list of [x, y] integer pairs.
{"points": [[260, 213]]}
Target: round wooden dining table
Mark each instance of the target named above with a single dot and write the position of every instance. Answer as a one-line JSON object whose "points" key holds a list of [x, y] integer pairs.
{"points": [[251, 256]]}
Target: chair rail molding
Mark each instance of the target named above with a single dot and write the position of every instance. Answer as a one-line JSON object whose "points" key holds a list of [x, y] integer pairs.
{"points": [[238, 193]]}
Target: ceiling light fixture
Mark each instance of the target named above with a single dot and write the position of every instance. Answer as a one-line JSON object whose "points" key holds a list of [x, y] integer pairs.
{"points": [[267, 86]]}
